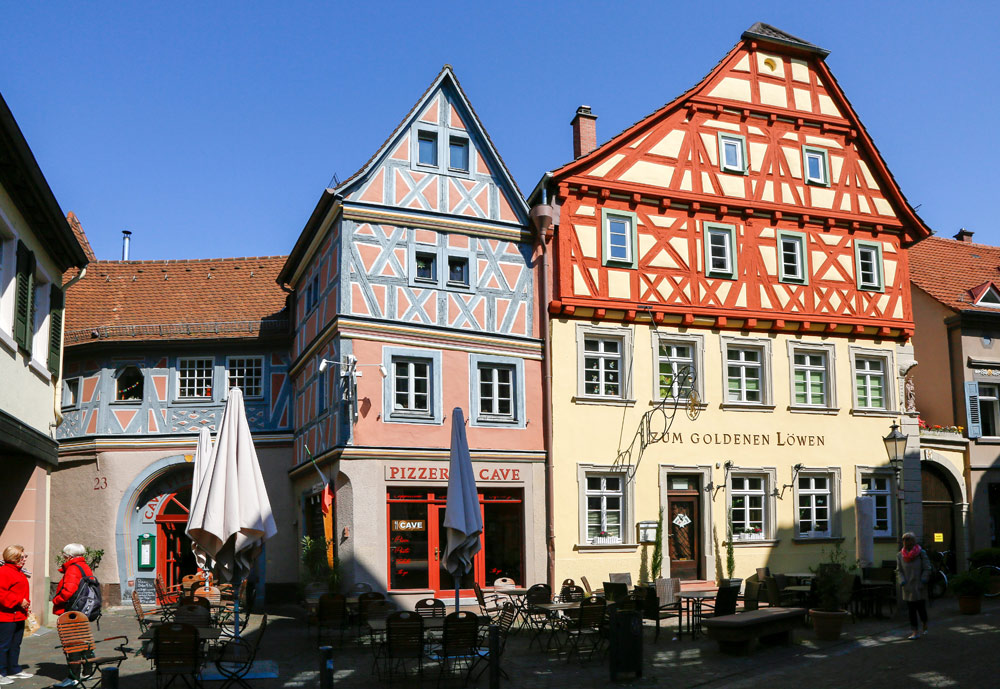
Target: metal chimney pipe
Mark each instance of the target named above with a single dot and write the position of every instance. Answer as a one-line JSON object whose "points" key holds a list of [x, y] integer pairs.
{"points": [[125, 241]]}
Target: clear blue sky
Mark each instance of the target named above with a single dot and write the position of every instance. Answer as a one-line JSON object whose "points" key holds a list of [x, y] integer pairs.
{"points": [[211, 128]]}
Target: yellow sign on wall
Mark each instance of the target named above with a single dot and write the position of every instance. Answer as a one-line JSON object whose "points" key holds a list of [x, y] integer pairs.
{"points": [[938, 537]]}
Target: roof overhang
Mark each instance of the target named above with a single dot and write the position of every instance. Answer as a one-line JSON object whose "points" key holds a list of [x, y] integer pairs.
{"points": [[306, 243], [16, 438]]}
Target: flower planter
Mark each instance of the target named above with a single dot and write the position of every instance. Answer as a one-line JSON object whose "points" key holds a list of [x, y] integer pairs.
{"points": [[740, 538], [606, 540], [970, 605], [828, 624]]}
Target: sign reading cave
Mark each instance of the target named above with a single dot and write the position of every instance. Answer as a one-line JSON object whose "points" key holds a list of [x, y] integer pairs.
{"points": [[778, 439], [408, 525]]}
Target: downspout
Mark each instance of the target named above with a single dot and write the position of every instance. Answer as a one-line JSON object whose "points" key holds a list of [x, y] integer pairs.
{"points": [[57, 396], [542, 217]]}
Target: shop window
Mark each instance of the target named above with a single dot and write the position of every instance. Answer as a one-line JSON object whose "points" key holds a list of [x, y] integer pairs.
{"points": [[247, 374], [879, 488], [194, 378], [129, 385]]}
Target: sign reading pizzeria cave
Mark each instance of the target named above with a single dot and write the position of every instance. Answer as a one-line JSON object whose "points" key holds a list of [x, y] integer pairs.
{"points": [[490, 472]]}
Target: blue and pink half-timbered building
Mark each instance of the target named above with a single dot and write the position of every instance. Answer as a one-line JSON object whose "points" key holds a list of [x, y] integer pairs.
{"points": [[415, 293]]}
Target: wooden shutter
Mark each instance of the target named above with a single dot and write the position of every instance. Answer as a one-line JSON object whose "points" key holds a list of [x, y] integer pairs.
{"points": [[24, 301], [55, 327], [972, 409]]}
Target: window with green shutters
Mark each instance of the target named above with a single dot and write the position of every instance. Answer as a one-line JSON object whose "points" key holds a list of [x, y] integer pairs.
{"points": [[55, 328], [24, 300]]}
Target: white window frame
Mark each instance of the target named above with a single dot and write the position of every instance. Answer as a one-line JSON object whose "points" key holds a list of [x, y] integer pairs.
{"points": [[990, 298], [230, 375], [697, 345], [862, 472], [624, 338], [731, 270], [627, 541], [181, 362], [8, 267], [742, 167], [488, 376], [432, 134], [869, 285], [769, 475], [608, 216], [830, 396], [889, 382], [462, 141], [74, 382], [824, 158], [763, 346], [811, 494], [993, 400], [435, 255], [390, 414], [799, 240]]}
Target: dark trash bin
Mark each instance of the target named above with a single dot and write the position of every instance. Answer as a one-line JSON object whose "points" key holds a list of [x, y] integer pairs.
{"points": [[625, 643]]}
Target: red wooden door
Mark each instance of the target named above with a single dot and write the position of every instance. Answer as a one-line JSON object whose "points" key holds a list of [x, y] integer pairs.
{"points": [[174, 558], [441, 580]]}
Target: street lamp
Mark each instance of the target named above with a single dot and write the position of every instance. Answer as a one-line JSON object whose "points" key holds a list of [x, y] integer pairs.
{"points": [[895, 447]]}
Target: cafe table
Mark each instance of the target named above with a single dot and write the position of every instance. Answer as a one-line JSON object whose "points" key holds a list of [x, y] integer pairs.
{"points": [[553, 611], [691, 605]]}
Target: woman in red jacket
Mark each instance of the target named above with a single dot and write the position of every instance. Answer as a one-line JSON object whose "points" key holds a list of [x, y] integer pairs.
{"points": [[14, 609], [73, 570]]}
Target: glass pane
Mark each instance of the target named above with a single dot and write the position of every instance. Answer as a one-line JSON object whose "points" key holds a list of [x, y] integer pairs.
{"points": [[593, 483], [458, 270], [591, 345], [428, 150], [611, 346], [612, 483], [408, 545], [755, 483], [814, 165], [458, 154], [503, 533]]}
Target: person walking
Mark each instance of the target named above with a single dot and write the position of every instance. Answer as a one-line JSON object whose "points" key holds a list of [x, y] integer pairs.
{"points": [[914, 569], [15, 605], [73, 570]]}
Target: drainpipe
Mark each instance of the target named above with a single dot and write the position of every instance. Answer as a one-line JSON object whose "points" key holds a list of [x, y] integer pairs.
{"points": [[542, 217]]}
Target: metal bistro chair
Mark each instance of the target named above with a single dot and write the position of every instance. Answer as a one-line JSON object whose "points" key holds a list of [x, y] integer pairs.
{"points": [[365, 601], [504, 623], [176, 653], [236, 657], [79, 647], [459, 644], [164, 595], [431, 607], [404, 644], [572, 593], [615, 592], [331, 613], [585, 627], [537, 618], [489, 605]]}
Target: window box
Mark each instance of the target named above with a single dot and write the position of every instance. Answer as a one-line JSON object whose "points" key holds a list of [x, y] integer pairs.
{"points": [[757, 536], [605, 540]]}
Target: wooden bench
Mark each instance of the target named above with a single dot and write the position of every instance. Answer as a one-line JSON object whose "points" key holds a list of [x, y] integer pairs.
{"points": [[735, 633]]}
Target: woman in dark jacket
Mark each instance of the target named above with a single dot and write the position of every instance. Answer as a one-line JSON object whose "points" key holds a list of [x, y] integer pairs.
{"points": [[14, 609], [73, 570]]}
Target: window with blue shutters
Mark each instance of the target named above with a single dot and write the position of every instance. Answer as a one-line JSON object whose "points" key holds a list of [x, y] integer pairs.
{"points": [[972, 409]]}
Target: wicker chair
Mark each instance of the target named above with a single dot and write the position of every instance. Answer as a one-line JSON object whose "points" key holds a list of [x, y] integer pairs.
{"points": [[79, 647], [664, 604]]}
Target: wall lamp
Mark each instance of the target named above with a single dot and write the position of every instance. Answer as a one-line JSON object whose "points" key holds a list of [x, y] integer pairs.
{"points": [[350, 363]]}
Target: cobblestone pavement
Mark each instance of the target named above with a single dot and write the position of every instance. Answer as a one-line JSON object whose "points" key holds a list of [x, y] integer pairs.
{"points": [[871, 653]]}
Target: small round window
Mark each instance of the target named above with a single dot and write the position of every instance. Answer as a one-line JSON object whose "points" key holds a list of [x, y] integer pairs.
{"points": [[128, 387]]}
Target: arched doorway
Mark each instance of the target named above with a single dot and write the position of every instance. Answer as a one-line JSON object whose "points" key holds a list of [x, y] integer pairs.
{"points": [[938, 510], [174, 557]]}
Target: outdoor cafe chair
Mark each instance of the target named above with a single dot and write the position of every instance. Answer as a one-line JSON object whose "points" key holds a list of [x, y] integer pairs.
{"points": [[145, 617], [586, 586], [404, 644], [432, 607], [195, 600], [615, 592], [360, 587], [211, 593], [583, 632], [164, 595], [537, 618], [572, 593], [664, 604], [504, 622], [504, 582], [236, 657], [79, 647], [621, 578], [459, 648], [751, 596], [489, 606], [725, 601], [365, 601], [568, 582], [331, 613], [177, 653]]}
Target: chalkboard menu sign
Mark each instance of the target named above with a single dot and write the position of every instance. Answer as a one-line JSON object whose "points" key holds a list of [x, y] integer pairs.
{"points": [[146, 590]]}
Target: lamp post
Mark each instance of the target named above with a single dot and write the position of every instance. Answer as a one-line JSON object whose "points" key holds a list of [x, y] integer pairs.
{"points": [[895, 447]]}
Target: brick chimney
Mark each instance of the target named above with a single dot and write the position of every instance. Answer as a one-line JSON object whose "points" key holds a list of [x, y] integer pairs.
{"points": [[963, 235], [584, 131]]}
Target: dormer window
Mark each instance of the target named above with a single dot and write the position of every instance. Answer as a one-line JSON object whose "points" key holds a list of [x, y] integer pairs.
{"points": [[128, 386], [990, 297]]}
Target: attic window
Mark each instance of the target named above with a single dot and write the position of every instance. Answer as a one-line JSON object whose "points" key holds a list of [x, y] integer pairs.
{"points": [[991, 297], [128, 387]]}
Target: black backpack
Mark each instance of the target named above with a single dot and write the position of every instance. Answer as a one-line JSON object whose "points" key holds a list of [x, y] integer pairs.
{"points": [[87, 598]]}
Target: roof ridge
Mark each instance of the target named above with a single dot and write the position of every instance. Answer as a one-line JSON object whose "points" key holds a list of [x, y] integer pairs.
{"points": [[166, 261], [959, 242], [767, 32]]}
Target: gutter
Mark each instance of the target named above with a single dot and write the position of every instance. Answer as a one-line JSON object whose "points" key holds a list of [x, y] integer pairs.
{"points": [[57, 393]]}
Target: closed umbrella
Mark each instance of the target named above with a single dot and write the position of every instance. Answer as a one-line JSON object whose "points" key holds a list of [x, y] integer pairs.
{"points": [[203, 461], [462, 519], [232, 516]]}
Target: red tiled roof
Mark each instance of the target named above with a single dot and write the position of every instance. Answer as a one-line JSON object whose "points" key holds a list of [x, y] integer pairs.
{"points": [[177, 300], [81, 236], [949, 270]]}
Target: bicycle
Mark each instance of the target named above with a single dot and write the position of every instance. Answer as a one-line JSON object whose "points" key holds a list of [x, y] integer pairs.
{"points": [[937, 584]]}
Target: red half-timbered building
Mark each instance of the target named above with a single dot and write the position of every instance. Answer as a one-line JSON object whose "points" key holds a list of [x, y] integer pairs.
{"points": [[748, 234]]}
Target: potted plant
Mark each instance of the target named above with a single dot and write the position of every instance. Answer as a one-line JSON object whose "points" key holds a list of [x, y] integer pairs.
{"points": [[834, 581], [970, 587], [731, 556]]}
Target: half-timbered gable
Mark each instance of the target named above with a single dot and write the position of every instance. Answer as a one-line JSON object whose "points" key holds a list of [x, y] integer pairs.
{"points": [[768, 149]]}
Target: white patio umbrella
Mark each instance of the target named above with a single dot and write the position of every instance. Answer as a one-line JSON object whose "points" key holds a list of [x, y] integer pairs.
{"points": [[462, 518], [232, 517], [203, 462]]}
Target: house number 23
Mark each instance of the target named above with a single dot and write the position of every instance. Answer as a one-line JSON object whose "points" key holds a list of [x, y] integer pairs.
{"points": [[100, 482]]}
